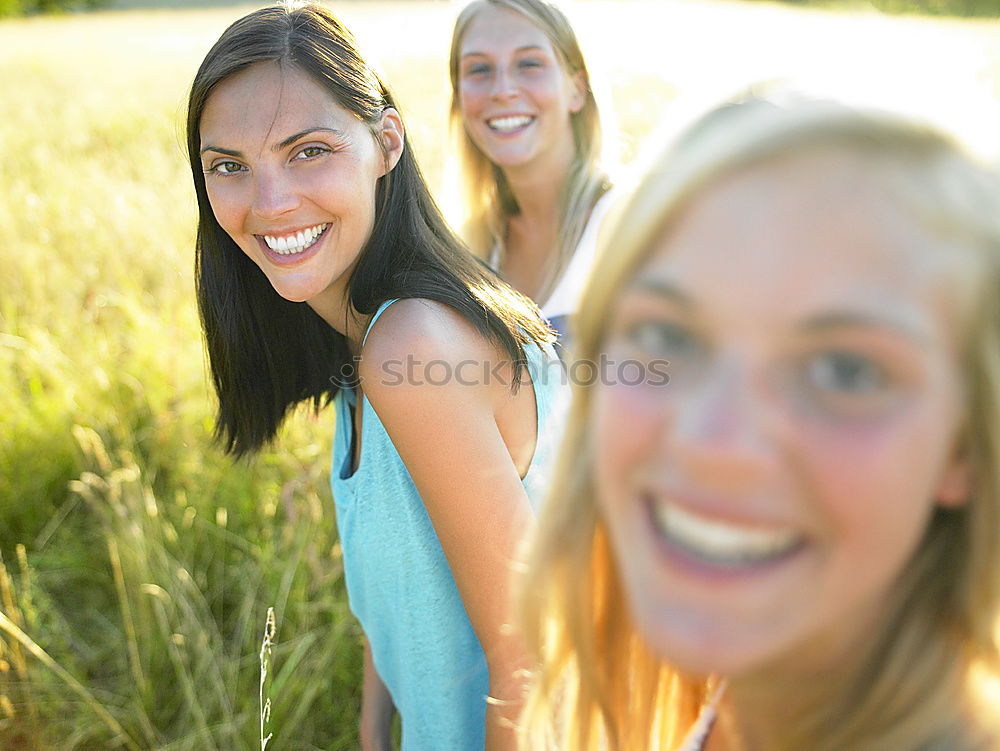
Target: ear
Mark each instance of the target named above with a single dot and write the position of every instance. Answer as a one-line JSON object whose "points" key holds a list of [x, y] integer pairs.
{"points": [[955, 485], [578, 91], [390, 130]]}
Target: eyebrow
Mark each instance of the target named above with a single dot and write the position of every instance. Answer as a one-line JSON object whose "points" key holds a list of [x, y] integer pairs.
{"points": [[279, 146], [898, 324], [526, 48], [666, 290], [820, 323]]}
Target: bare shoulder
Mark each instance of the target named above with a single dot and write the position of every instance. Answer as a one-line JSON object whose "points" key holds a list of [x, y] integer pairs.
{"points": [[417, 330]]}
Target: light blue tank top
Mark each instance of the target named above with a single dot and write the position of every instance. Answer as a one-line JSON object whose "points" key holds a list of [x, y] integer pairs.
{"points": [[399, 585]]}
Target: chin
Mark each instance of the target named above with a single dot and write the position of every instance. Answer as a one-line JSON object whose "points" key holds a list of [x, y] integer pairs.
{"points": [[697, 645], [696, 660], [512, 161], [689, 653], [294, 294], [507, 157]]}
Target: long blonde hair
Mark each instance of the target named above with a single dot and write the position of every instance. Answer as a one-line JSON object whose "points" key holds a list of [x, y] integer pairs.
{"points": [[597, 686], [488, 200]]}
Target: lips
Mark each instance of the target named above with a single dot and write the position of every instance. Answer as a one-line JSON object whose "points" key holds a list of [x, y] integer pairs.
{"points": [[509, 123], [293, 248], [721, 542], [295, 242]]}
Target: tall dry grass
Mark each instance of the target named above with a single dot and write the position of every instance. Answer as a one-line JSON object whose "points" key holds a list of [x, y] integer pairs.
{"points": [[139, 560]]}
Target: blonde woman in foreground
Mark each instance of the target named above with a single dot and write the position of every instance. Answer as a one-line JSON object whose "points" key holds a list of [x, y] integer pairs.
{"points": [[528, 130], [794, 545]]}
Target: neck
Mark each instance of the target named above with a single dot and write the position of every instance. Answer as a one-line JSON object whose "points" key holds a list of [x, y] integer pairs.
{"points": [[537, 197], [750, 716], [333, 305], [755, 710], [537, 187]]}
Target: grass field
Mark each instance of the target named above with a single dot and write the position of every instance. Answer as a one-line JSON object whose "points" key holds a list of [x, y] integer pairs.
{"points": [[136, 556]]}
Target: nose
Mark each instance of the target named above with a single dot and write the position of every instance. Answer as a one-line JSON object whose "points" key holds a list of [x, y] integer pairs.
{"points": [[722, 434], [274, 194], [504, 86]]}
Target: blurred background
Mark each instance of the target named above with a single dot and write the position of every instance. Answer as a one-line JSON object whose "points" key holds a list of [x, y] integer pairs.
{"points": [[138, 563]]}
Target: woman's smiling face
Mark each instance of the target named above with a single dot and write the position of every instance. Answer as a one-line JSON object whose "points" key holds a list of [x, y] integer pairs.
{"points": [[515, 96], [291, 177], [762, 503]]}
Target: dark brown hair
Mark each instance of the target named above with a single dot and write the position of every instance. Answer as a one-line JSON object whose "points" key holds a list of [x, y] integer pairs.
{"points": [[267, 354]]}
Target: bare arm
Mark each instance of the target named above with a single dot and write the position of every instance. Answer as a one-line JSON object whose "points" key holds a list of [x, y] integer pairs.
{"points": [[447, 436], [377, 709]]}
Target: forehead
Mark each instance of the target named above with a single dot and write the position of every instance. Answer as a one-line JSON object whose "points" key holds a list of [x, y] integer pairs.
{"points": [[792, 236], [268, 101], [496, 28]]}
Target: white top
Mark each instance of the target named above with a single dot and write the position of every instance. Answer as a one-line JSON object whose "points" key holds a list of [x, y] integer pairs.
{"points": [[565, 297], [698, 734]]}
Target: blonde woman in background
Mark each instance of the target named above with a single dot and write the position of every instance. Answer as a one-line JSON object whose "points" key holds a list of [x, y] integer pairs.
{"points": [[529, 140], [795, 544]]}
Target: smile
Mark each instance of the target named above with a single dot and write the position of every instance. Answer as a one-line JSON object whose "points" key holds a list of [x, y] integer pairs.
{"points": [[722, 543], [296, 242], [509, 124]]}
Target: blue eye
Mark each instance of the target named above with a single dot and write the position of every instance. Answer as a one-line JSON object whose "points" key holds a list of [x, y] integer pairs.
{"points": [[530, 62], [846, 374], [663, 339], [478, 69]]}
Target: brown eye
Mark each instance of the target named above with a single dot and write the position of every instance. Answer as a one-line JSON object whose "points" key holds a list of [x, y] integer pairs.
{"points": [[311, 152], [226, 168]]}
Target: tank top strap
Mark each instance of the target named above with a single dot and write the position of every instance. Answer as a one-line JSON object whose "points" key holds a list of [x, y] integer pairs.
{"points": [[538, 364], [380, 311]]}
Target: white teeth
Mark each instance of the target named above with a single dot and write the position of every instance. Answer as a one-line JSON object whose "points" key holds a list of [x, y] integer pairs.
{"points": [[721, 542], [508, 124], [295, 243]]}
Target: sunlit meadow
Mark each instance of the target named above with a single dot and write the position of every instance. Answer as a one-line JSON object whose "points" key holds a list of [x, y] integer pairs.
{"points": [[138, 562]]}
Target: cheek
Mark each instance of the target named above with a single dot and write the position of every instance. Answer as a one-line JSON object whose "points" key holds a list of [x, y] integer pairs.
{"points": [[224, 207], [469, 98], [348, 193], [627, 425], [552, 90], [875, 483]]}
